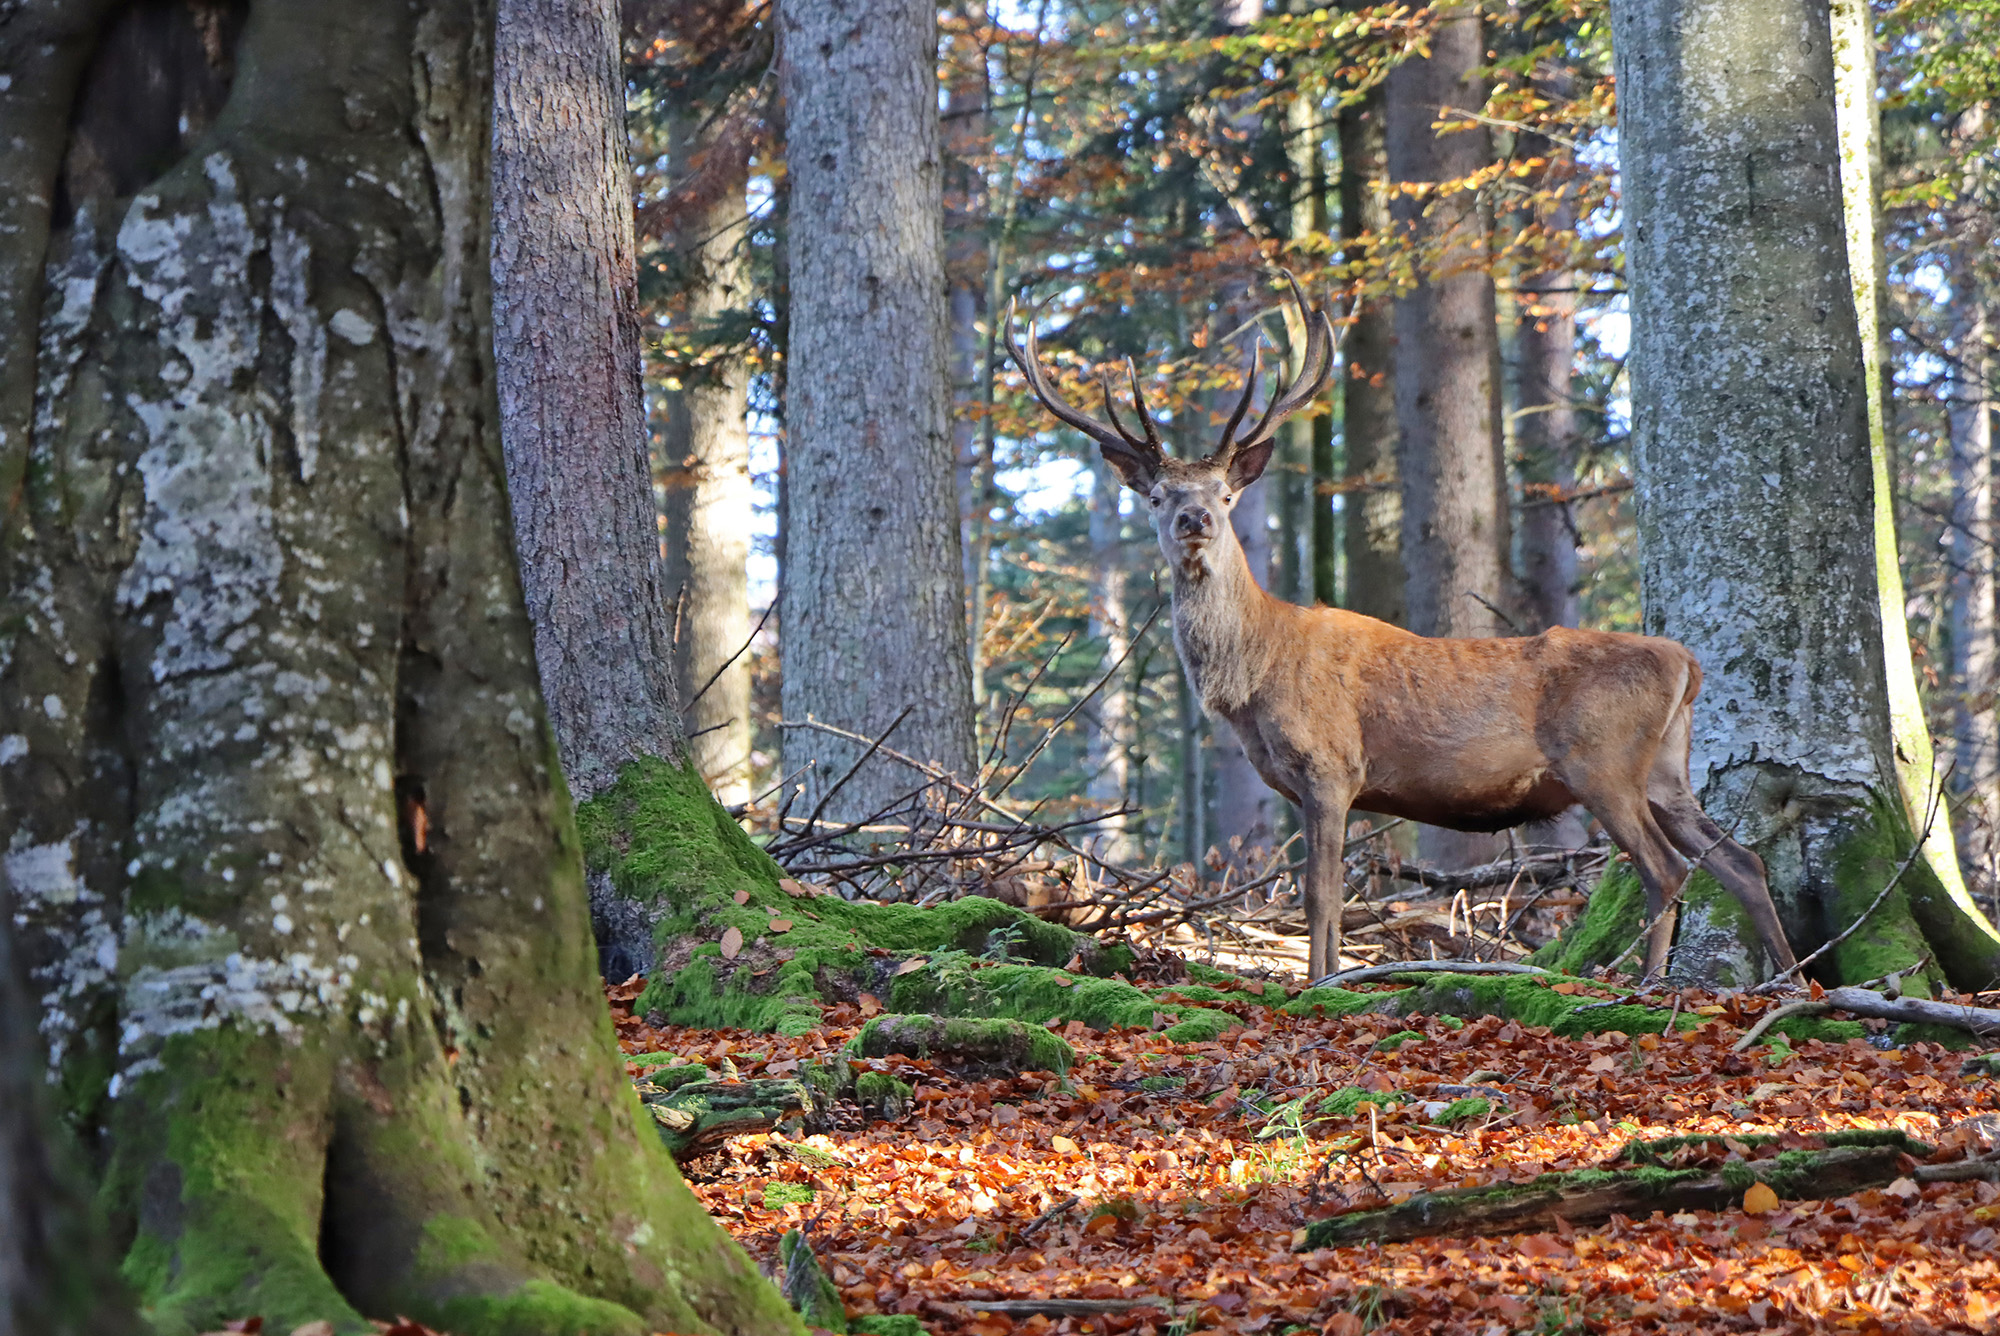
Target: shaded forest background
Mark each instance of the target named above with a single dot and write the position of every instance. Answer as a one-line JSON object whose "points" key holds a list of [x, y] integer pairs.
{"points": [[1132, 174]]}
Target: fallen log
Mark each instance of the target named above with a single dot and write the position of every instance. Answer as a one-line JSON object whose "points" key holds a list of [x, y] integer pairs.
{"points": [[1591, 1196], [1981, 1021], [696, 1117]]}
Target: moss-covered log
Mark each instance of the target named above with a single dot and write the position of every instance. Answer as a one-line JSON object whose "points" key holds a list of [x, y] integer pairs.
{"points": [[696, 1117], [975, 1049], [1590, 1196]]}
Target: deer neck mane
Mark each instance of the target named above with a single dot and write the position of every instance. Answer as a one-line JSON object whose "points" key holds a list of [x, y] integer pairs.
{"points": [[1219, 612]]}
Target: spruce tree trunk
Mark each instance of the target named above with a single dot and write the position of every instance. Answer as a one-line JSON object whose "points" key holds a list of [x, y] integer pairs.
{"points": [[707, 508], [293, 865], [1750, 441], [1975, 657], [1545, 432], [1455, 513], [874, 603], [566, 350], [1373, 540], [1108, 749], [968, 257]]}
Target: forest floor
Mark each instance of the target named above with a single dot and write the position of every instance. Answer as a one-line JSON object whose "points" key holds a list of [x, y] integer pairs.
{"points": [[1177, 1205]]}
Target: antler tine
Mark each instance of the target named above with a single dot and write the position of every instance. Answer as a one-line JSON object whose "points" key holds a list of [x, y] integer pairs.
{"points": [[1030, 362], [1227, 449], [1145, 415], [1314, 369]]}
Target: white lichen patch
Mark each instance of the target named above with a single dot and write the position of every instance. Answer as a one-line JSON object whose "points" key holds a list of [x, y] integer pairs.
{"points": [[12, 748], [42, 875]]}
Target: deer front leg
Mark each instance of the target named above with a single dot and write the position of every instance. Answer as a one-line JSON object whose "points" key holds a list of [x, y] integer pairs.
{"points": [[1325, 882]]}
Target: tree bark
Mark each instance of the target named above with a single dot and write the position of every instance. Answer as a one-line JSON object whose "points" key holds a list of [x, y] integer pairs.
{"points": [[1373, 540], [1750, 444], [874, 603], [1456, 534], [1974, 653], [1109, 747], [968, 258], [1545, 417], [707, 508], [292, 861], [566, 351]]}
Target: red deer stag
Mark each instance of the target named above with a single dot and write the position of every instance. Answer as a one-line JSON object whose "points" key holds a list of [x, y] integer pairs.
{"points": [[1340, 712]]}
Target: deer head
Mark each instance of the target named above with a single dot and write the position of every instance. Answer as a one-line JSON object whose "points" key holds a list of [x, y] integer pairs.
{"points": [[1189, 499]]}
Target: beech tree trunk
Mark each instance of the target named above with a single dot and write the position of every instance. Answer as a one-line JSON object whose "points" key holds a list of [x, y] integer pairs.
{"points": [[707, 508], [874, 602], [1750, 443], [1373, 537], [1456, 535], [1975, 657], [292, 862], [1108, 750]]}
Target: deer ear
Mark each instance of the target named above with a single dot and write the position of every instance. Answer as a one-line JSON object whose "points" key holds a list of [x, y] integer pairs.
{"points": [[1133, 469], [1249, 464]]}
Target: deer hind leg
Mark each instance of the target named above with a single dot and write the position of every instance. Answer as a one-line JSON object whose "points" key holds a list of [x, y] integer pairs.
{"points": [[1670, 797], [1632, 828]]}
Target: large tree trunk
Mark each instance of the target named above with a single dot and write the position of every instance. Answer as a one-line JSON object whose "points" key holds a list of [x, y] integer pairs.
{"points": [[296, 874], [1750, 440], [1373, 540], [873, 618], [707, 506], [566, 349], [1975, 656], [1455, 517]]}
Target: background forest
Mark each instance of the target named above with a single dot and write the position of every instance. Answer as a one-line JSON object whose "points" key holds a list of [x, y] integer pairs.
{"points": [[1131, 175]]}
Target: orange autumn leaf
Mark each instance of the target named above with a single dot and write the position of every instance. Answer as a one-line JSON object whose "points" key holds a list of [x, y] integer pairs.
{"points": [[1759, 1199]]}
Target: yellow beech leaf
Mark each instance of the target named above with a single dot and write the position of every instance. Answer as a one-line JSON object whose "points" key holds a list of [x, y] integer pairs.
{"points": [[1062, 1145], [1759, 1200]]}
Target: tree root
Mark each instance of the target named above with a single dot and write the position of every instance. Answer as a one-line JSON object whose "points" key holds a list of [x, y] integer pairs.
{"points": [[1592, 1196]]}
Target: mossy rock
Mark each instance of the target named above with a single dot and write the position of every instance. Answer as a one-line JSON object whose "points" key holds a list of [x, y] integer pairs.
{"points": [[1471, 1106], [1986, 1064], [1347, 1101], [974, 1048], [953, 985], [881, 1095], [666, 846], [1389, 1043]]}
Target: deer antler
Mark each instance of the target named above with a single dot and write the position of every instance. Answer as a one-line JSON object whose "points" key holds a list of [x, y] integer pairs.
{"points": [[1314, 369], [1115, 439]]}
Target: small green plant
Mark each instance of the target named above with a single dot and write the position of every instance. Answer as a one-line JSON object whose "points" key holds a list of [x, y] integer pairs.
{"points": [[1390, 1043]]}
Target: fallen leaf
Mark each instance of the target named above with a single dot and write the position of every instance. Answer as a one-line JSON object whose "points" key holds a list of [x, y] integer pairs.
{"points": [[1905, 1188], [1566, 988], [793, 887], [321, 1327], [781, 925], [870, 1004], [732, 942], [1062, 1145], [1759, 1199], [910, 966], [1606, 1063]]}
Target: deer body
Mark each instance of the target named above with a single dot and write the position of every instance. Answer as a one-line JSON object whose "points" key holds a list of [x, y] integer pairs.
{"points": [[1339, 712]]}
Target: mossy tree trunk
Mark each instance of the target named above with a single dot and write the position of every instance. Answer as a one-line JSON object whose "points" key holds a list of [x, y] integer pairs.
{"points": [[298, 881], [1750, 441]]}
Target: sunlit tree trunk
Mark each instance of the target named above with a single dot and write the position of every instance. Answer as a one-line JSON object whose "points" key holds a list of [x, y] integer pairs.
{"points": [[1373, 537], [707, 505], [1751, 444], [967, 137], [1974, 654], [1455, 514], [874, 602], [289, 852], [1109, 745]]}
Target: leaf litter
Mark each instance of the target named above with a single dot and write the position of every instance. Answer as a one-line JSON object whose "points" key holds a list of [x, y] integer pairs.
{"points": [[1160, 1189]]}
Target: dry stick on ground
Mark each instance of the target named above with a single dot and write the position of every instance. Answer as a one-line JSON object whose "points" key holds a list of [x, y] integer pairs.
{"points": [[1981, 1021], [1374, 973]]}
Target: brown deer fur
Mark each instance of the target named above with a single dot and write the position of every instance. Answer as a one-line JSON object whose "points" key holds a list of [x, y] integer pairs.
{"points": [[1340, 712]]}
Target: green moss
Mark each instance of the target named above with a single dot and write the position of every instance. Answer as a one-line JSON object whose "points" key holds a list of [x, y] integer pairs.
{"points": [[777, 1196], [537, 1308], [806, 1286], [1472, 1106], [983, 1045], [1347, 1101], [450, 1242], [1716, 943], [1986, 1064], [1609, 923], [882, 1095], [668, 845], [886, 1324], [1798, 1029], [953, 986], [1159, 1085], [1330, 1002], [1863, 865], [1526, 998], [1945, 1036], [1390, 1043]]}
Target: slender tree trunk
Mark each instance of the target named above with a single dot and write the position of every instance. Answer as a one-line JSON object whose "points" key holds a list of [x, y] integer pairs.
{"points": [[1369, 435], [571, 410], [1301, 475], [1545, 435], [1858, 121], [874, 608], [1974, 654], [1751, 445], [707, 505], [1109, 747], [1246, 808], [290, 857], [967, 137], [1456, 537]]}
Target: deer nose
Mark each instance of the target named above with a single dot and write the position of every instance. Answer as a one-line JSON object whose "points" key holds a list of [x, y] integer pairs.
{"points": [[1193, 522]]}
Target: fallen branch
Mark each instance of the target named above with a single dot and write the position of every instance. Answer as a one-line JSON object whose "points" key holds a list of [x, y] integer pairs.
{"points": [[1981, 1021]]}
